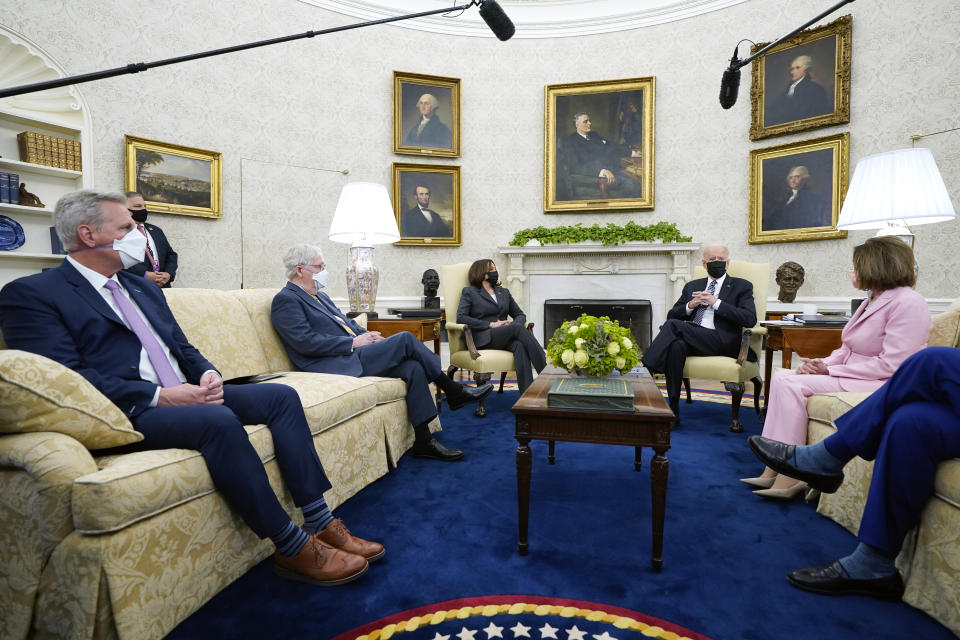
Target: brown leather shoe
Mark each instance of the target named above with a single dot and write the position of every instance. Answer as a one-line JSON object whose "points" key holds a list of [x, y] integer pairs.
{"points": [[320, 564], [337, 535]]}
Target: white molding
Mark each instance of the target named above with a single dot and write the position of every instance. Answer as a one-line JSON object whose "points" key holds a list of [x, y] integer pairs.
{"points": [[543, 19]]}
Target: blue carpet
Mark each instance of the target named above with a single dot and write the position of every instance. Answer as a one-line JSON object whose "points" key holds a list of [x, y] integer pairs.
{"points": [[450, 530]]}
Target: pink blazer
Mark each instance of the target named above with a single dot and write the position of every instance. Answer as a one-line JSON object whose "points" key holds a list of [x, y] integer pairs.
{"points": [[877, 339]]}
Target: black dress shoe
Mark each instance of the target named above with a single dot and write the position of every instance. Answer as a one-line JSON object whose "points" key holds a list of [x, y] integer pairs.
{"points": [[468, 395], [832, 580], [779, 457], [436, 450]]}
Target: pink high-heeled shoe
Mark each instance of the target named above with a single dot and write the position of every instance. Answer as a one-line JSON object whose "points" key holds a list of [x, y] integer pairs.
{"points": [[760, 482]]}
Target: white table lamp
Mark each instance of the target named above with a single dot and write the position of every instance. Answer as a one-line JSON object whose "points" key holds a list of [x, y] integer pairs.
{"points": [[893, 189], [364, 217]]}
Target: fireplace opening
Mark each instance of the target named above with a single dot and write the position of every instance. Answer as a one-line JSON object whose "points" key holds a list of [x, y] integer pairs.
{"points": [[633, 314]]}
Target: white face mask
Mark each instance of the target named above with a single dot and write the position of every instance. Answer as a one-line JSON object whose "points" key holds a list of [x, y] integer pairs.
{"points": [[320, 279], [132, 248]]}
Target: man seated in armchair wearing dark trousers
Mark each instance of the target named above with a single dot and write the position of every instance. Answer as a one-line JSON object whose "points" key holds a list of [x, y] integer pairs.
{"points": [[907, 427], [318, 337], [116, 330], [705, 321]]}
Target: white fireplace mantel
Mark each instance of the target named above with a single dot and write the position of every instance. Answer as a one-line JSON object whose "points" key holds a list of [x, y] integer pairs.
{"points": [[653, 271]]}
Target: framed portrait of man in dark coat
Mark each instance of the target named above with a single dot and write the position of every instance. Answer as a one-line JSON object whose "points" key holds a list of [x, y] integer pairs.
{"points": [[426, 201], [796, 190], [599, 146], [426, 115], [803, 83]]}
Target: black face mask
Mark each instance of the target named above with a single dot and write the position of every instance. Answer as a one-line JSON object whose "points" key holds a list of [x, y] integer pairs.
{"points": [[717, 268], [139, 215], [493, 277]]}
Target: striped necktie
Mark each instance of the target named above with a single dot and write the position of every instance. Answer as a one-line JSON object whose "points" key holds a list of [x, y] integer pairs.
{"points": [[702, 309], [337, 317]]}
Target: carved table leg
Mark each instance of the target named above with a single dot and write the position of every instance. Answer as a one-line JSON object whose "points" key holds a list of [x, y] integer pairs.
{"points": [[637, 460], [659, 468], [524, 464], [551, 452]]}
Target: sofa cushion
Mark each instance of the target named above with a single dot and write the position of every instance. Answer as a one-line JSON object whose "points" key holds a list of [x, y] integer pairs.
{"points": [[827, 407], [38, 394], [257, 303], [945, 331], [329, 399], [229, 341]]}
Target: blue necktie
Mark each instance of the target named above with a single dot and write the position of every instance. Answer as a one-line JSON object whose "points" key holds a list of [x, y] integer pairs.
{"points": [[702, 309]]}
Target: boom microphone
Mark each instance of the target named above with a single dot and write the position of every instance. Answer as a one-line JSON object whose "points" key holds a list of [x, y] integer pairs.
{"points": [[729, 86], [496, 19]]}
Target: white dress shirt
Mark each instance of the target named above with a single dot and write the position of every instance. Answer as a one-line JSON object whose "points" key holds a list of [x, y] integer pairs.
{"points": [[707, 320]]}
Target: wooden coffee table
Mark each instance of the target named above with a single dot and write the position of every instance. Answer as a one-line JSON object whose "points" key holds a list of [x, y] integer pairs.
{"points": [[647, 426]]}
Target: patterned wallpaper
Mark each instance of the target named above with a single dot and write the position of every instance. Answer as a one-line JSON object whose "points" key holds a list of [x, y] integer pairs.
{"points": [[288, 117]]}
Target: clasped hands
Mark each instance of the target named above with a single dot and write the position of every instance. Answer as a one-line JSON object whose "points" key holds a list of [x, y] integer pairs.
{"points": [[159, 277], [499, 323], [367, 337], [814, 366], [702, 298], [209, 391]]}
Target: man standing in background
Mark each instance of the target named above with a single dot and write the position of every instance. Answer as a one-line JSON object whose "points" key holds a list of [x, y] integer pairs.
{"points": [[160, 264]]}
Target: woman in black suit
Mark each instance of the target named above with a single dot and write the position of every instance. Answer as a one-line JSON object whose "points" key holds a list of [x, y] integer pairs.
{"points": [[484, 307]]}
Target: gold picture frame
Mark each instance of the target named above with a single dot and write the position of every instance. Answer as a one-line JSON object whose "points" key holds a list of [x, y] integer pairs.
{"points": [[413, 134], [797, 189], [435, 188], [815, 64], [185, 180], [608, 166]]}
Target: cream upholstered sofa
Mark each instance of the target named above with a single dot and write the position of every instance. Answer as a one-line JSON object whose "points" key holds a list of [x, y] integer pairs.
{"points": [[930, 558], [129, 545]]}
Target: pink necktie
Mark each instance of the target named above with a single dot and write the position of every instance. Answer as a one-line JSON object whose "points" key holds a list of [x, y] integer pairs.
{"points": [[159, 360], [153, 261]]}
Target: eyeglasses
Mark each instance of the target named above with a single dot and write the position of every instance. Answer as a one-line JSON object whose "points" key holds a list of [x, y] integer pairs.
{"points": [[318, 267]]}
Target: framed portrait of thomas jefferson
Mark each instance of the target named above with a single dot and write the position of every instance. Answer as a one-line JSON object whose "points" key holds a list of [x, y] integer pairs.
{"points": [[802, 83], [426, 115], [172, 178], [426, 201], [598, 138], [797, 189]]}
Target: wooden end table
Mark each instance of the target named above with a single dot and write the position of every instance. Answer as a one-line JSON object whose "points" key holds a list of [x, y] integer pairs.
{"points": [[805, 341], [647, 426]]}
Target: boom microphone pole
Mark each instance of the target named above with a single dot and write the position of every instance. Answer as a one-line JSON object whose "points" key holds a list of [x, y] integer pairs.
{"points": [[490, 11], [730, 83]]}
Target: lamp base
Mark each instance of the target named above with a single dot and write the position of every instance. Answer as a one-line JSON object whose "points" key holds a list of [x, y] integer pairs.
{"points": [[362, 280], [371, 315]]}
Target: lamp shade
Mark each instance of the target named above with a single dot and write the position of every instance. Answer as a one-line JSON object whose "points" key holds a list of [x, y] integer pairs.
{"points": [[897, 185], [364, 215]]}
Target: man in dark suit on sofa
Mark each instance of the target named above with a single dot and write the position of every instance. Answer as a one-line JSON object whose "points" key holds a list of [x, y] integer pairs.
{"points": [[318, 337], [159, 265], [705, 321], [118, 332]]}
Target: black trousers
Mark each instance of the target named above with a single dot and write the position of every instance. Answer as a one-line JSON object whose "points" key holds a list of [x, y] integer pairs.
{"points": [[677, 340], [525, 348]]}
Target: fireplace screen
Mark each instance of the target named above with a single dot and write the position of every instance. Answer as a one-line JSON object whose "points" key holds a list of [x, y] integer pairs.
{"points": [[634, 314]]}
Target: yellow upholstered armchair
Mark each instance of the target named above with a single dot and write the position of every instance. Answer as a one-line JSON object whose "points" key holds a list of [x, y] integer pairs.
{"points": [[733, 372], [463, 352]]}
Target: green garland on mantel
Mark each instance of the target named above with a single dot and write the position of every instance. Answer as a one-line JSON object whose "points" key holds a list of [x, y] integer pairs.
{"points": [[607, 235]]}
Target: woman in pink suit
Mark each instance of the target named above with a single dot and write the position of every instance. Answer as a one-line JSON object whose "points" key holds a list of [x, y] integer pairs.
{"points": [[889, 326]]}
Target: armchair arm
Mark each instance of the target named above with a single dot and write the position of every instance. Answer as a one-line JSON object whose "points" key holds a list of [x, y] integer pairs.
{"points": [[746, 337], [466, 334]]}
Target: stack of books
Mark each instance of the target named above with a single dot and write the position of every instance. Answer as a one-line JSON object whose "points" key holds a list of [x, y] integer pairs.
{"points": [[9, 188], [37, 148], [819, 319]]}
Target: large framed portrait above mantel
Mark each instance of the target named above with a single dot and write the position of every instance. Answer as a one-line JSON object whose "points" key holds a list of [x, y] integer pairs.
{"points": [[172, 178], [599, 146], [802, 83], [797, 189]]}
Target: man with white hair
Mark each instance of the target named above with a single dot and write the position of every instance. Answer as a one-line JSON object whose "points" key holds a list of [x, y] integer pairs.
{"points": [[798, 207], [116, 330], [429, 130], [705, 321], [318, 337], [802, 98]]}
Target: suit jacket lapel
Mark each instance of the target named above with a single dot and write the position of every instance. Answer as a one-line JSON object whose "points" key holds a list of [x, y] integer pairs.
{"points": [[882, 300], [86, 292], [314, 302]]}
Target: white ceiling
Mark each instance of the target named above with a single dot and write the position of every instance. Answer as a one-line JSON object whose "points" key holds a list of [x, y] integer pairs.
{"points": [[533, 18]]}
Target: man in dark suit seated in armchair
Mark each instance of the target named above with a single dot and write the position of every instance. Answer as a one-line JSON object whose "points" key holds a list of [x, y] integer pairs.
{"points": [[707, 320], [318, 337], [118, 332]]}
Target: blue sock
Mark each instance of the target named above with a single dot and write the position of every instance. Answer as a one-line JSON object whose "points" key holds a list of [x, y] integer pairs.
{"points": [[816, 458], [316, 516], [867, 562], [291, 540]]}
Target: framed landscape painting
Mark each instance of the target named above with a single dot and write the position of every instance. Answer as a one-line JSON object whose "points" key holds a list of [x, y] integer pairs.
{"points": [[426, 115], [426, 201], [797, 189], [803, 83], [172, 178], [598, 138]]}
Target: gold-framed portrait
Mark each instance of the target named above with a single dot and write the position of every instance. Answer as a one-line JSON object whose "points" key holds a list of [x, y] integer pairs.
{"points": [[426, 201], [804, 82], [426, 115], [172, 178], [797, 189], [599, 146]]}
